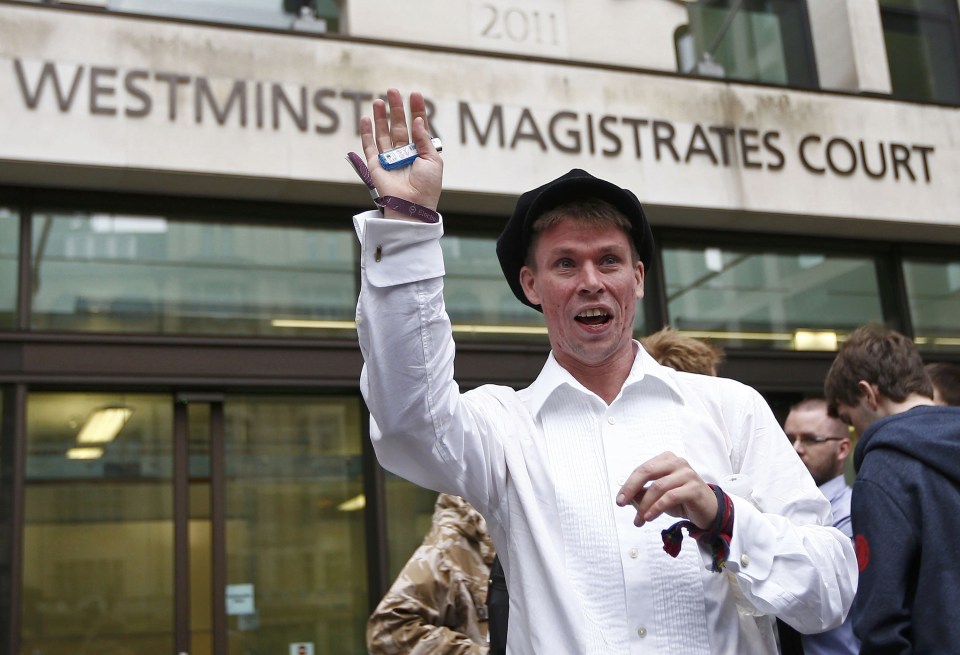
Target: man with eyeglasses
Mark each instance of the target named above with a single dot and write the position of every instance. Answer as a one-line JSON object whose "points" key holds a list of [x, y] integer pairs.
{"points": [[823, 444]]}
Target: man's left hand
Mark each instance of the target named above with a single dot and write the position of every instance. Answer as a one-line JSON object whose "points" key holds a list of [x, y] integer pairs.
{"points": [[667, 484]]}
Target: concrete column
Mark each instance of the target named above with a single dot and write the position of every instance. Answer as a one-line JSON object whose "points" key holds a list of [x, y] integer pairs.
{"points": [[849, 46]]}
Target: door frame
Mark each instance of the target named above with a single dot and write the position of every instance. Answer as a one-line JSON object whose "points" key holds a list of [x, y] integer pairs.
{"points": [[181, 520]]}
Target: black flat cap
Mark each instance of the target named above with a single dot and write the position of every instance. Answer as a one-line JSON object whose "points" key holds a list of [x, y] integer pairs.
{"points": [[578, 184]]}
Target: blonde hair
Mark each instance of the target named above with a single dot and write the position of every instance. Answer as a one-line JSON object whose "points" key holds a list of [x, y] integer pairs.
{"points": [[683, 353]]}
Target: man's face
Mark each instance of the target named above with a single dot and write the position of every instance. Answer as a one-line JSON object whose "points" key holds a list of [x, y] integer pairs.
{"points": [[860, 416], [820, 441], [588, 286]]}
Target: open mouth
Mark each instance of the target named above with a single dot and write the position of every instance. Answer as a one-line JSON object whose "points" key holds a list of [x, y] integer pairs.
{"points": [[593, 317]]}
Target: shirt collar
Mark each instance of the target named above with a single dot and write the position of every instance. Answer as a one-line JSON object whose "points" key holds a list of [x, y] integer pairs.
{"points": [[834, 486], [553, 376]]}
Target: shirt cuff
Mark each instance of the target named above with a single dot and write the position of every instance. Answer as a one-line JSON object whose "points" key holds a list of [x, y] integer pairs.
{"points": [[394, 251], [751, 552]]}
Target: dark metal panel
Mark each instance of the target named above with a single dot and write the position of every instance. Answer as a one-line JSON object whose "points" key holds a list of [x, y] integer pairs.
{"points": [[893, 293], [12, 452], [181, 537], [86, 359], [375, 520], [655, 292], [514, 366], [218, 517], [25, 279], [779, 371]]}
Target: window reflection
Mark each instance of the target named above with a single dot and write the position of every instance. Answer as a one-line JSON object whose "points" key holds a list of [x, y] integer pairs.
{"points": [[923, 48], [752, 40], [478, 299], [98, 564], [131, 273], [9, 242], [409, 511], [97, 540], [295, 523], [933, 289], [769, 300], [275, 14]]}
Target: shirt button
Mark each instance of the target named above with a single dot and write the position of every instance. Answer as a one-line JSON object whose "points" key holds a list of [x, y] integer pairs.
{"points": [[611, 420], [641, 632], [634, 553], [744, 560]]}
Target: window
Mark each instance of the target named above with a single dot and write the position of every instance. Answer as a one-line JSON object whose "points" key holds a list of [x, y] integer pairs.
{"points": [[933, 290], [155, 274], [784, 300], [923, 48], [307, 15], [9, 242], [98, 557], [409, 512], [478, 299], [755, 40], [100, 523], [295, 522]]}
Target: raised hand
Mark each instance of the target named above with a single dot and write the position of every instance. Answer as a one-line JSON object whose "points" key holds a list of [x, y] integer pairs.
{"points": [[418, 183]]}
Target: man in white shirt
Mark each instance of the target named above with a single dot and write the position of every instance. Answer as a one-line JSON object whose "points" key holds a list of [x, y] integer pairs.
{"points": [[823, 444], [579, 474]]}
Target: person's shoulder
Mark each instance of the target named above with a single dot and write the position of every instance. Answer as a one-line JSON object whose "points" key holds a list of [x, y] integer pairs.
{"points": [[924, 422]]}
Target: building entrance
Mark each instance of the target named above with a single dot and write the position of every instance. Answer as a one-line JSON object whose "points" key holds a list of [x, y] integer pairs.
{"points": [[192, 523]]}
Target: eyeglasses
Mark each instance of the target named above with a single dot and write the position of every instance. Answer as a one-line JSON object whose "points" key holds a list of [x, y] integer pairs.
{"points": [[810, 439]]}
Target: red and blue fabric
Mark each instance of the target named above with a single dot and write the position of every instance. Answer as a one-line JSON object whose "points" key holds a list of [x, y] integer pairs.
{"points": [[716, 539]]}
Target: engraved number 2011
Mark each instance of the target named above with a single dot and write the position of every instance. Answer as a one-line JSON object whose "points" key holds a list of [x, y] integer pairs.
{"points": [[519, 26]]}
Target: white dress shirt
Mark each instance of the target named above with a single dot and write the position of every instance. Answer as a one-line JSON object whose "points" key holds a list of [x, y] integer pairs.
{"points": [[543, 465]]}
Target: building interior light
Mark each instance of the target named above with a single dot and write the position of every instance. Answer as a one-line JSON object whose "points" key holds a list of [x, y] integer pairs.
{"points": [[713, 260], [313, 325], [741, 336], [500, 329], [103, 425], [815, 340], [809, 340], [937, 341], [458, 327], [353, 504], [85, 453]]}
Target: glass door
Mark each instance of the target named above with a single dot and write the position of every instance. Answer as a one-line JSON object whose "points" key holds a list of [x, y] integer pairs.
{"points": [[196, 524], [122, 549], [98, 547], [296, 540]]}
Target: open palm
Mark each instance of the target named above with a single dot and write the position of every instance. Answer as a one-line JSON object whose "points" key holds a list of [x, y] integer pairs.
{"points": [[420, 182]]}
